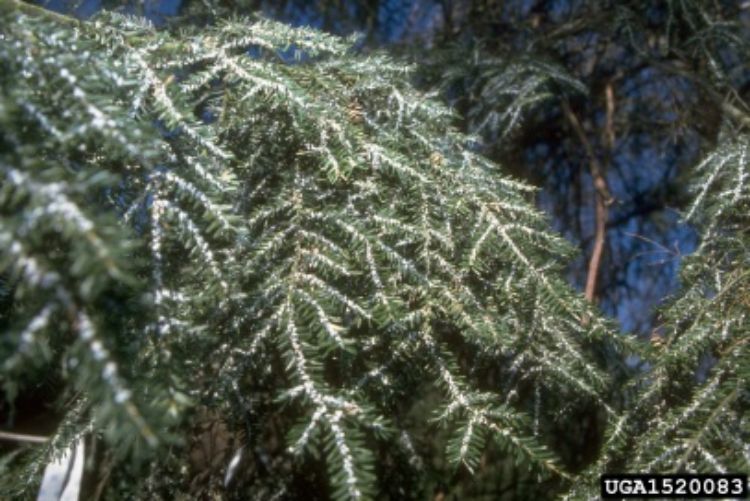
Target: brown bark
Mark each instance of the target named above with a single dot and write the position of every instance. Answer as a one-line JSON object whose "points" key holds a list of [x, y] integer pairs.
{"points": [[602, 195]]}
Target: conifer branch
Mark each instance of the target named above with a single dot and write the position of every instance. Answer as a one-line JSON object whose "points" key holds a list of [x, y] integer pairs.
{"points": [[297, 245]]}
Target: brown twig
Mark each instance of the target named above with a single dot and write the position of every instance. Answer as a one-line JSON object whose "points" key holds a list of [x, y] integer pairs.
{"points": [[609, 128], [603, 197]]}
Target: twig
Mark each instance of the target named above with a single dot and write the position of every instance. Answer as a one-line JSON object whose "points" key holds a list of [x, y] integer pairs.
{"points": [[666, 250], [609, 128], [603, 197], [22, 437]]}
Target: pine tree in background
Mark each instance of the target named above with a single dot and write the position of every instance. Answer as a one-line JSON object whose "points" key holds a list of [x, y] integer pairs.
{"points": [[689, 410]]}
